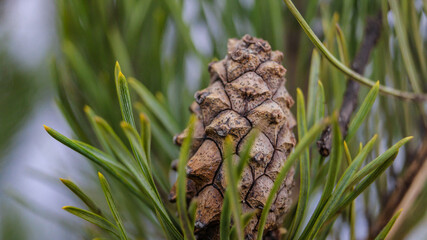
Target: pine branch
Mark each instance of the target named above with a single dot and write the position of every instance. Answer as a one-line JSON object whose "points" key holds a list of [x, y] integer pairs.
{"points": [[395, 198], [349, 104]]}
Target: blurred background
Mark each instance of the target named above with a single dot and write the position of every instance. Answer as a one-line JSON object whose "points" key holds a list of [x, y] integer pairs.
{"points": [[57, 56]]}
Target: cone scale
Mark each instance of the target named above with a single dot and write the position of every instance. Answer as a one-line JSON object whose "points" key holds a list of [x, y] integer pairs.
{"points": [[246, 92]]}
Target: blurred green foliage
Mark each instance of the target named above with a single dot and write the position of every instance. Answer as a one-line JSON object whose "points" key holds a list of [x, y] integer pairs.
{"points": [[18, 95]]}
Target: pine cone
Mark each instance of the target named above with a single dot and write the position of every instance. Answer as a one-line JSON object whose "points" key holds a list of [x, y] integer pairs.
{"points": [[247, 91]]}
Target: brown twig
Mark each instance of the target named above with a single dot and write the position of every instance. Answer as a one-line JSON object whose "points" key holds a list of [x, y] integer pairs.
{"points": [[349, 104]]}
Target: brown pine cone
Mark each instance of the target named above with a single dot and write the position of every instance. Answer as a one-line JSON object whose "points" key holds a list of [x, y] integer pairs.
{"points": [[247, 91]]}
